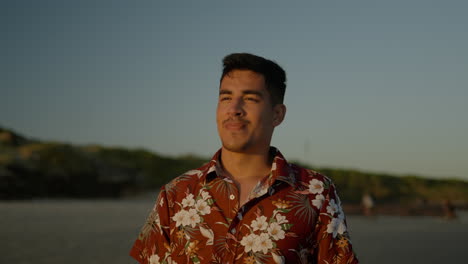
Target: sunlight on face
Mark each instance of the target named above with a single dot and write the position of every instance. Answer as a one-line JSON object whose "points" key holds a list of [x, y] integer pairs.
{"points": [[245, 116]]}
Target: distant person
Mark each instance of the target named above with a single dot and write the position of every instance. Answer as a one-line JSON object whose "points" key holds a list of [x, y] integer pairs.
{"points": [[449, 210], [367, 204], [248, 204]]}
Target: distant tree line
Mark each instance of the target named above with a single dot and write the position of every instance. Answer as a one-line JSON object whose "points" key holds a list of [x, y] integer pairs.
{"points": [[30, 168], [387, 188], [34, 169]]}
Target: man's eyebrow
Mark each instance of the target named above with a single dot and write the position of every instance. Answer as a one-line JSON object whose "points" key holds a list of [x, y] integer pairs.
{"points": [[246, 92], [253, 92], [224, 92]]}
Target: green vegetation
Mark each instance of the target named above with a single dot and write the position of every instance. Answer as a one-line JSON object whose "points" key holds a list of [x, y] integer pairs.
{"points": [[30, 168], [386, 188], [402, 189]]}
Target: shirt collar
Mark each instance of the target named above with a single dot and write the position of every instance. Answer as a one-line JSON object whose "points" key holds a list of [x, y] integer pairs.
{"points": [[280, 169]]}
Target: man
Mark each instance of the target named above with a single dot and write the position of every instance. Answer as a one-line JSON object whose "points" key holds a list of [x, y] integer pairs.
{"points": [[248, 204]]}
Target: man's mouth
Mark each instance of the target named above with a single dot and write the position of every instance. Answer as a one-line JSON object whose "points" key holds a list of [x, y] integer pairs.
{"points": [[235, 125]]}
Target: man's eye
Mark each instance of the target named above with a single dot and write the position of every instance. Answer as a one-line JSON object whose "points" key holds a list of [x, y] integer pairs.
{"points": [[224, 98], [253, 99]]}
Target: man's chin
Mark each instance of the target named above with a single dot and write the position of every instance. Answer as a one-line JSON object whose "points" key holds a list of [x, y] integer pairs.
{"points": [[238, 148]]}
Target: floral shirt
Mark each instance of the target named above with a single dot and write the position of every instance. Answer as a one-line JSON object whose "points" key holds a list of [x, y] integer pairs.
{"points": [[293, 215]]}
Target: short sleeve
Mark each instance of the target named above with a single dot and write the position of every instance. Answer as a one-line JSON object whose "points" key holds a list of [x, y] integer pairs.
{"points": [[332, 238], [153, 244]]}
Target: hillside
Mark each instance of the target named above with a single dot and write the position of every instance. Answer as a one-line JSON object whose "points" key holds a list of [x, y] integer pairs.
{"points": [[30, 169]]}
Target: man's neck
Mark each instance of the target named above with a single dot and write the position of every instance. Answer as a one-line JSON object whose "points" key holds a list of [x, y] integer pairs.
{"points": [[245, 166]]}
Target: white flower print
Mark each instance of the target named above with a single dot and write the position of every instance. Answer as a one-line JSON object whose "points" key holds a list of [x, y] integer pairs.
{"points": [[192, 218], [318, 201], [161, 202], [336, 226], [340, 213], [180, 217], [267, 231], [332, 208], [154, 259], [188, 201], [191, 214], [281, 219], [202, 207], [341, 226], [315, 186], [260, 223], [263, 243], [275, 231], [249, 242], [332, 227], [205, 195]]}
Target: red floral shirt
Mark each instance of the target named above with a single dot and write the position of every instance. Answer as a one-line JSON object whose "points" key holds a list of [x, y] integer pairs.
{"points": [[292, 216]]}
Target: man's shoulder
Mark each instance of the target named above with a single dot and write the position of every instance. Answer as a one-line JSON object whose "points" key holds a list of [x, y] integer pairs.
{"points": [[190, 177], [186, 184]]}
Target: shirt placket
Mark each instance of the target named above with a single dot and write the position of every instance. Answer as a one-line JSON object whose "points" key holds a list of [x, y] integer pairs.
{"points": [[234, 233], [226, 201], [235, 219]]}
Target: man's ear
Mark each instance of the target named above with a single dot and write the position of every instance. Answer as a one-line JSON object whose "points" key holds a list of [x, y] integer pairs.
{"points": [[279, 111]]}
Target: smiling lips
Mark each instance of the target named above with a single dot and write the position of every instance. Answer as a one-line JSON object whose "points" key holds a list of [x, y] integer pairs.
{"points": [[234, 124]]}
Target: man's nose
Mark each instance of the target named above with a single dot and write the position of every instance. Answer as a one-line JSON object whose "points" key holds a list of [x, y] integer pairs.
{"points": [[236, 108]]}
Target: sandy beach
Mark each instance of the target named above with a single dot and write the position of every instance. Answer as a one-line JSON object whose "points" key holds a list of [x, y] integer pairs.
{"points": [[102, 231]]}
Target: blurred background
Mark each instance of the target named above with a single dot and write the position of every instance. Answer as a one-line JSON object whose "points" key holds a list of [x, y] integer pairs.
{"points": [[102, 102]]}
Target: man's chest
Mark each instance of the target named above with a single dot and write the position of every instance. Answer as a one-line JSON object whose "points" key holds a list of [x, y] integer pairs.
{"points": [[208, 225]]}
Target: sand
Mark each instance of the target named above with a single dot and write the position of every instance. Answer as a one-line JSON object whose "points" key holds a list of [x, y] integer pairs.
{"points": [[102, 231]]}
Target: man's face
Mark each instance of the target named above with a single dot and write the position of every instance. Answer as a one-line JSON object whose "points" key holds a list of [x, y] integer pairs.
{"points": [[245, 116]]}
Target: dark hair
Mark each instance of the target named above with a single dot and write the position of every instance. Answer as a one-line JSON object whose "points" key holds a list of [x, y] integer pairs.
{"points": [[275, 76]]}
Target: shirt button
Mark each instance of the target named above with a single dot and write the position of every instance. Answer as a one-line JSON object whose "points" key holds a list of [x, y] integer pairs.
{"points": [[233, 231], [232, 197]]}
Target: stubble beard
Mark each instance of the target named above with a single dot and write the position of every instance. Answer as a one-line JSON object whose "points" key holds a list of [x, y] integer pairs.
{"points": [[236, 145], [238, 142]]}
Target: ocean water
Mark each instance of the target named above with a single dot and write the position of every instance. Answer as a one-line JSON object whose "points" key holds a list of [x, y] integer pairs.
{"points": [[102, 231]]}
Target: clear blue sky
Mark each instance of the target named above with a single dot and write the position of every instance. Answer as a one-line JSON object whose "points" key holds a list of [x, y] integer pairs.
{"points": [[373, 85]]}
